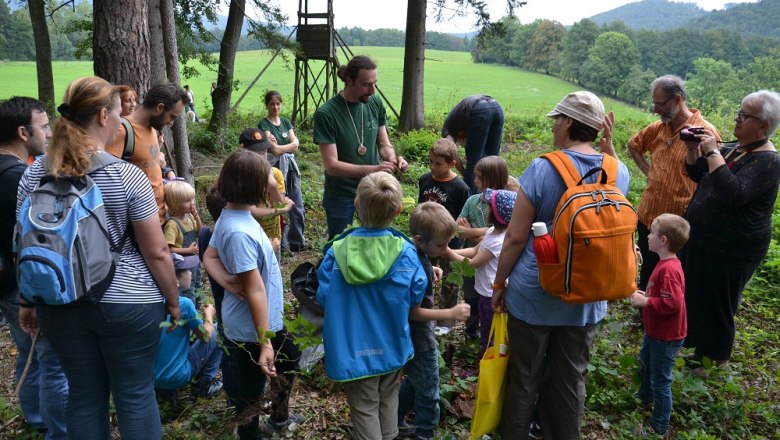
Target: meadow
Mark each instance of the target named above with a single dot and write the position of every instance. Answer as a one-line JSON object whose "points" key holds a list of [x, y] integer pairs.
{"points": [[449, 76]]}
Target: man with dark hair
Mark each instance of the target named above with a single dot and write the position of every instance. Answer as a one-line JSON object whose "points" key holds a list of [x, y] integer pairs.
{"points": [[351, 131], [24, 133], [162, 105], [668, 187]]}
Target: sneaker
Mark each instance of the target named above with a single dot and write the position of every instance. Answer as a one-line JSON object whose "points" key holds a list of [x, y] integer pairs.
{"points": [[441, 331], [271, 426], [535, 431], [648, 432], [208, 390]]}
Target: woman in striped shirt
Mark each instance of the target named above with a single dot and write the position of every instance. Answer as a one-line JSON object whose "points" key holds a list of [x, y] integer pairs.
{"points": [[108, 347]]}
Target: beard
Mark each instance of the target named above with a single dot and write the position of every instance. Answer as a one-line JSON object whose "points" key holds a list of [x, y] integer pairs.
{"points": [[364, 98], [668, 116], [156, 122]]}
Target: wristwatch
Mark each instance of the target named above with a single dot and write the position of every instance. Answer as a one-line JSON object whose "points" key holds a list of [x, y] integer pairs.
{"points": [[710, 153]]}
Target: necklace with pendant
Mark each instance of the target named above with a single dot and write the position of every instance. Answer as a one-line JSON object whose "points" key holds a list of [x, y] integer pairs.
{"points": [[361, 149]]}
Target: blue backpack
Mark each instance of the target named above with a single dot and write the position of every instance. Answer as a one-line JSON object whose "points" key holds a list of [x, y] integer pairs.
{"points": [[63, 248]]}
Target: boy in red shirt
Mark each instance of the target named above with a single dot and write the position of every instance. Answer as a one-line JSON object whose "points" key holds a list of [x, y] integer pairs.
{"points": [[664, 318]]}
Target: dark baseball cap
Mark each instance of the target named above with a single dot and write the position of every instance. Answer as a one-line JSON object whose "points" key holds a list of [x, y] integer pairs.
{"points": [[254, 139]]}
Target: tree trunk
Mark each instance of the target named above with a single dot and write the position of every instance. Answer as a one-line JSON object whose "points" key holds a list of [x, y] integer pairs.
{"points": [[181, 150], [156, 49], [412, 103], [120, 43], [42, 53], [227, 58]]}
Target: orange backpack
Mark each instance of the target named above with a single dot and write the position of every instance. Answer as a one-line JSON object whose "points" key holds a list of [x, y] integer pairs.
{"points": [[593, 229]]}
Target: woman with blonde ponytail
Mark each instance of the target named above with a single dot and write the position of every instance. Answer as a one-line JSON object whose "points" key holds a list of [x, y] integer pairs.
{"points": [[109, 347]]}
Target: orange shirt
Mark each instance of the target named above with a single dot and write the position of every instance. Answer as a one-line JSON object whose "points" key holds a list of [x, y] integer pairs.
{"points": [[144, 157], [668, 187]]}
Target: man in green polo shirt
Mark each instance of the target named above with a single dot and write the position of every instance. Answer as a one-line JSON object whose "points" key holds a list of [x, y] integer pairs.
{"points": [[351, 131]]}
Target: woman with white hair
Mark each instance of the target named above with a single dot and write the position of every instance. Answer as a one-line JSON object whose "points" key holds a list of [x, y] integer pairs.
{"points": [[731, 223]]}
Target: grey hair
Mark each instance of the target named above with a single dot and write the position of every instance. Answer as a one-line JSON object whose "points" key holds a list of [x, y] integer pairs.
{"points": [[768, 105], [671, 85]]}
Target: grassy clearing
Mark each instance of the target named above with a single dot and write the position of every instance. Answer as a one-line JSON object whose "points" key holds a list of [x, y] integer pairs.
{"points": [[449, 77]]}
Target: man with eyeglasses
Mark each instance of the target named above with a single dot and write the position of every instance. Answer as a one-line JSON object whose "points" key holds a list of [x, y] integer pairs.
{"points": [[24, 134], [351, 131], [668, 190]]}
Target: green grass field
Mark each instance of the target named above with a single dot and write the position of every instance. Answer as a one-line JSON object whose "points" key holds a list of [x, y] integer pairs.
{"points": [[449, 77]]}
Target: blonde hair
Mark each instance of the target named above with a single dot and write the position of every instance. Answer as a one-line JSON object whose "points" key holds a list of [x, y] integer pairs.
{"points": [[512, 184], [675, 228], [432, 221], [379, 199], [177, 192], [71, 145], [445, 149]]}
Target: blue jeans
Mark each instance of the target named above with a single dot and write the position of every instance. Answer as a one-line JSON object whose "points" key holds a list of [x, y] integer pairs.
{"points": [[44, 394], [204, 359], [339, 212], [483, 136], [293, 231], [420, 391], [656, 363], [107, 349]]}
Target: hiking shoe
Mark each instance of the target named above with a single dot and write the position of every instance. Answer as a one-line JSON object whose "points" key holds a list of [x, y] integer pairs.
{"points": [[441, 331], [648, 432], [272, 426], [209, 389]]}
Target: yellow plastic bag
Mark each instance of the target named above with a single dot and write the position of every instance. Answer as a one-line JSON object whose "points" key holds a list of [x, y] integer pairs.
{"points": [[491, 384]]}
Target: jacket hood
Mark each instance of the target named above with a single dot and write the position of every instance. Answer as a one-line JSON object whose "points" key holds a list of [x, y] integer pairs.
{"points": [[364, 259]]}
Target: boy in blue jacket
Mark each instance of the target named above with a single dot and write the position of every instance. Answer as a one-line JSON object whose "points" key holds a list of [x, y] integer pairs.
{"points": [[369, 280], [178, 362]]}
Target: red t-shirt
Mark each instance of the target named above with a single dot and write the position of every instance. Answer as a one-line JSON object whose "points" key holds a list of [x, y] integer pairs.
{"points": [[664, 315]]}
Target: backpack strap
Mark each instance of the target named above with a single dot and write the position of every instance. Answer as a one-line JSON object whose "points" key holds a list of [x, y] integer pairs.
{"points": [[571, 176], [564, 167], [100, 160], [127, 153], [610, 166]]}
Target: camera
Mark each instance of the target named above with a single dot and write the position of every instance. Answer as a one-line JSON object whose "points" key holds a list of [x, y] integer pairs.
{"points": [[689, 134]]}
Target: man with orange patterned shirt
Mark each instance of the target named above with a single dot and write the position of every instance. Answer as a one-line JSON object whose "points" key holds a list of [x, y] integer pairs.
{"points": [[668, 188], [162, 104]]}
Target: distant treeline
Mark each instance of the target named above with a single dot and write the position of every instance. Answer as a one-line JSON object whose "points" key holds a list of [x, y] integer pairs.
{"points": [[70, 34], [720, 64]]}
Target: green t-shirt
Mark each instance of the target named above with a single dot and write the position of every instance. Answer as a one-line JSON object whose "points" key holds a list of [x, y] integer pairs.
{"points": [[281, 132], [333, 125], [475, 210]]}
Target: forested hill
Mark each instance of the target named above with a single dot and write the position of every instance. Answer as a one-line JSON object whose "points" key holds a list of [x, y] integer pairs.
{"points": [[652, 14], [748, 19]]}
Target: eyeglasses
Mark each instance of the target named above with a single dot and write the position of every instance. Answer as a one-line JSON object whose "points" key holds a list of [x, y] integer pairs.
{"points": [[740, 116], [44, 127], [655, 104]]}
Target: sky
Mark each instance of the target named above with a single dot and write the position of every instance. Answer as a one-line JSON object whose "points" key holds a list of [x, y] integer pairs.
{"points": [[374, 14]]}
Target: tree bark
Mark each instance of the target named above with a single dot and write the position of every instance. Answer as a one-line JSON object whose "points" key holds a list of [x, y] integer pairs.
{"points": [[42, 53], [413, 99], [120, 43], [181, 150], [227, 57], [156, 49]]}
